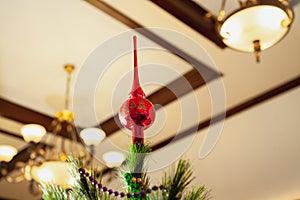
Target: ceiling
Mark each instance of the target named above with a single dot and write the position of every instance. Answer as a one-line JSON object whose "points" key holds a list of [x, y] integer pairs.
{"points": [[257, 144]]}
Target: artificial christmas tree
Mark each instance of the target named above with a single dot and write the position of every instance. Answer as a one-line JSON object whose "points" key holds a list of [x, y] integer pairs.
{"points": [[136, 114]]}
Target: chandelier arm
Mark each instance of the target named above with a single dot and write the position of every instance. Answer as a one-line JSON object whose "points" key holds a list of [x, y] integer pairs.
{"points": [[71, 132], [83, 150], [63, 153], [52, 139], [222, 11], [20, 166]]}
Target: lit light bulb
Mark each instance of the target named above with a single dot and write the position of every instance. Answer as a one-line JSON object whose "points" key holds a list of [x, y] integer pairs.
{"points": [[33, 132], [113, 159], [7, 152], [92, 136], [56, 172]]}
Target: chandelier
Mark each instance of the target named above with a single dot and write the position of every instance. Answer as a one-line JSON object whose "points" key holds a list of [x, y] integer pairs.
{"points": [[48, 152], [257, 25]]}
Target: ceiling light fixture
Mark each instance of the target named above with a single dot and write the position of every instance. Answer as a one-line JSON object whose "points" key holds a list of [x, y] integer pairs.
{"points": [[92, 137], [113, 159], [47, 157], [65, 141], [7, 152], [33, 132], [257, 25]]}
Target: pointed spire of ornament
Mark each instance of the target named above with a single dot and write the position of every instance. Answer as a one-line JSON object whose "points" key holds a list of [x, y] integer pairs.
{"points": [[136, 88], [137, 113]]}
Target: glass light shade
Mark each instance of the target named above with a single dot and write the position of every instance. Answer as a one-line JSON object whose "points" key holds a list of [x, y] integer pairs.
{"points": [[92, 136], [7, 152], [56, 172], [265, 23], [33, 132], [113, 159]]}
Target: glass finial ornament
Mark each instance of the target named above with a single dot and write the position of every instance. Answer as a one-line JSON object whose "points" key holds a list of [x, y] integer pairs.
{"points": [[137, 113]]}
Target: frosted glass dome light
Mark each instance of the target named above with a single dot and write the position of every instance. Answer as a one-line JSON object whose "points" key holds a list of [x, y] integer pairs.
{"points": [[33, 132], [7, 152], [92, 136]]}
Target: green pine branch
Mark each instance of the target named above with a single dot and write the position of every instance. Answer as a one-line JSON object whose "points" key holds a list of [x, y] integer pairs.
{"points": [[136, 157], [53, 192], [133, 171], [200, 193], [177, 180], [174, 187]]}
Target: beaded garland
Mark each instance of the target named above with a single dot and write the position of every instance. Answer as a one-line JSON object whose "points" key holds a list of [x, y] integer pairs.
{"points": [[140, 193]]}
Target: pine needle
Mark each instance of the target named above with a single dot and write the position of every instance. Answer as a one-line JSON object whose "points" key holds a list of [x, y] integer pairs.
{"points": [[200, 193], [175, 183]]}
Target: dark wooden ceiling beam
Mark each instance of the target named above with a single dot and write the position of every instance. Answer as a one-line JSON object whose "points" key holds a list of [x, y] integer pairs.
{"points": [[194, 16], [229, 113], [187, 11], [114, 13], [232, 111], [11, 134], [22, 114], [164, 95], [182, 85]]}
